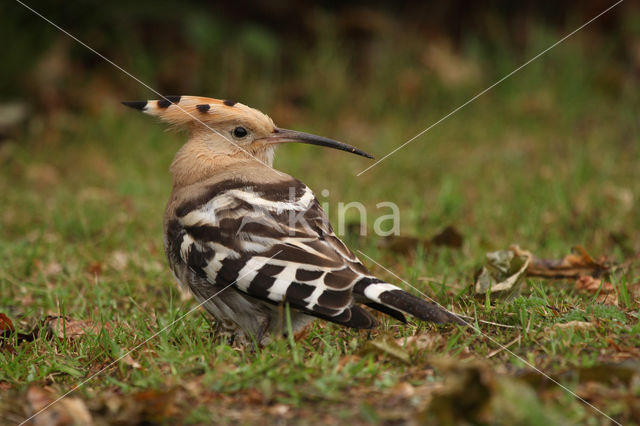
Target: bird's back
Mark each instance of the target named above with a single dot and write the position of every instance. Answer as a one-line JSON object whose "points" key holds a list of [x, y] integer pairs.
{"points": [[271, 243]]}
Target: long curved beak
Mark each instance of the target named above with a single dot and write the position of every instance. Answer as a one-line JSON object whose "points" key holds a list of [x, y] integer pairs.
{"points": [[286, 135]]}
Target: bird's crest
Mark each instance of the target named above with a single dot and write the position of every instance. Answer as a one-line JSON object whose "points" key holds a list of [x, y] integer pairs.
{"points": [[197, 110]]}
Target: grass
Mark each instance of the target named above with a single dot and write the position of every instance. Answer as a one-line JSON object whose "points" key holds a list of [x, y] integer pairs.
{"points": [[547, 160]]}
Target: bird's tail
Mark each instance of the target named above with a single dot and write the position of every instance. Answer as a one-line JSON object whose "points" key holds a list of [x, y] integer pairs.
{"points": [[396, 302]]}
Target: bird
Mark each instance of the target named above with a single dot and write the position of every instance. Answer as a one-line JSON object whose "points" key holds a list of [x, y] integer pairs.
{"points": [[250, 242]]}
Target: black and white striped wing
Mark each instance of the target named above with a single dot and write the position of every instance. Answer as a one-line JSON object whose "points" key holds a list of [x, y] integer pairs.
{"points": [[274, 242]]}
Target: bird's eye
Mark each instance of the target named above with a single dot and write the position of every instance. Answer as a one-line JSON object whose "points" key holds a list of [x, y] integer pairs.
{"points": [[240, 132]]}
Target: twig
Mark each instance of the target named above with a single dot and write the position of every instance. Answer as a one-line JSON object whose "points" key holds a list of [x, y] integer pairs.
{"points": [[497, 324], [501, 348]]}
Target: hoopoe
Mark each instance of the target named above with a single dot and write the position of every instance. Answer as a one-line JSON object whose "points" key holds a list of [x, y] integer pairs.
{"points": [[258, 239]]}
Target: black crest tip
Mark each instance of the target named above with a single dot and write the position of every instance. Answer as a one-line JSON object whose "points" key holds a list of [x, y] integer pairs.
{"points": [[140, 105], [229, 103], [168, 100], [203, 107]]}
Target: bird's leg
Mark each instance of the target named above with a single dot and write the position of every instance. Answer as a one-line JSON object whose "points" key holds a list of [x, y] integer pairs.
{"points": [[262, 331], [224, 331]]}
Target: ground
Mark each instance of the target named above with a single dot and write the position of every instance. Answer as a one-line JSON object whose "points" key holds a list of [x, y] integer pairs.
{"points": [[547, 160]]}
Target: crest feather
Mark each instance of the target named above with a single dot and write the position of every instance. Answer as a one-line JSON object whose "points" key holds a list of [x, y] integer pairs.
{"points": [[185, 110]]}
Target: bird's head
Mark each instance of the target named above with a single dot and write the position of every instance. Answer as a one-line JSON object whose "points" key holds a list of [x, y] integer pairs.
{"points": [[230, 128]]}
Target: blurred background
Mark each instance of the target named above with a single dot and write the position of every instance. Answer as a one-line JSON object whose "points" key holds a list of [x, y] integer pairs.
{"points": [[550, 155]]}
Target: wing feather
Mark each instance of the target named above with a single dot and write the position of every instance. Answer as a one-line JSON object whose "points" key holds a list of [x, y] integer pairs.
{"points": [[277, 243]]}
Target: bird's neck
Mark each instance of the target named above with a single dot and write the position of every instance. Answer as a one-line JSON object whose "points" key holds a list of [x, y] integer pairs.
{"points": [[197, 161]]}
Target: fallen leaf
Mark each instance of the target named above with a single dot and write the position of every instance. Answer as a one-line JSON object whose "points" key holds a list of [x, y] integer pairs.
{"points": [[582, 325], [622, 353], [449, 237], [605, 290], [149, 406], [119, 260], [66, 411], [346, 360], [279, 410], [69, 328], [404, 390], [574, 265], [386, 345], [472, 393], [405, 244], [571, 325], [6, 326], [607, 299], [128, 360], [503, 274], [95, 268], [466, 394], [594, 285], [254, 396], [610, 372], [402, 244], [155, 404], [423, 341]]}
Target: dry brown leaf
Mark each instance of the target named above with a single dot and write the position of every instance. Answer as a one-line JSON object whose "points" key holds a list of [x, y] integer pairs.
{"points": [[66, 411], [6, 326], [346, 360], [605, 290], [254, 396], [279, 410], [403, 390], [607, 299], [424, 341], [386, 345], [146, 407], [119, 260], [594, 285], [405, 244], [402, 244], [473, 393], [465, 396], [449, 237], [71, 329], [581, 325], [128, 360], [95, 268], [574, 265], [156, 405]]}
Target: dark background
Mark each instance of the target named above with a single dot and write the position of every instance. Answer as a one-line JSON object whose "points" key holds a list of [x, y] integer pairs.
{"points": [[224, 47]]}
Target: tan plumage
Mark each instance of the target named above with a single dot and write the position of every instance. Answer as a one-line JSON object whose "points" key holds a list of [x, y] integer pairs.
{"points": [[257, 237]]}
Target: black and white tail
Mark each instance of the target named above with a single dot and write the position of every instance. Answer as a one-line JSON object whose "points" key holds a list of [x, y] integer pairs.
{"points": [[396, 302]]}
